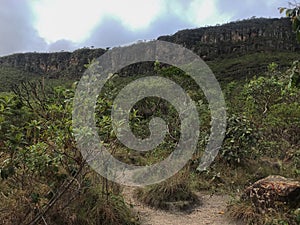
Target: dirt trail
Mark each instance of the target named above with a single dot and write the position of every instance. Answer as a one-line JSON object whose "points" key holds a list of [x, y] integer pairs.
{"points": [[211, 212]]}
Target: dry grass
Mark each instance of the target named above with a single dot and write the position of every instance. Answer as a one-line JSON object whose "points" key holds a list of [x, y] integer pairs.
{"points": [[172, 194], [245, 212]]}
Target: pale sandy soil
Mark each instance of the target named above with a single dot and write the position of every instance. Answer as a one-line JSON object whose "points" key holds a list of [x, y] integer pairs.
{"points": [[211, 212]]}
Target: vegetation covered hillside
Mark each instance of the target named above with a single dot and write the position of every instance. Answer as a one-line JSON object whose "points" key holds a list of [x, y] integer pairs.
{"points": [[236, 50], [45, 180]]}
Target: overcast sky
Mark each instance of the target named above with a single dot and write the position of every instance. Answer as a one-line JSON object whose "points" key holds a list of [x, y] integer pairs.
{"points": [[55, 25]]}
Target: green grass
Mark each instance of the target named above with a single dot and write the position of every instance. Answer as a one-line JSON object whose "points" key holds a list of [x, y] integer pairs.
{"points": [[10, 76], [245, 67]]}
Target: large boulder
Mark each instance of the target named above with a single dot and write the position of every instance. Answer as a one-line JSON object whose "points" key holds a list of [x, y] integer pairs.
{"points": [[273, 192]]}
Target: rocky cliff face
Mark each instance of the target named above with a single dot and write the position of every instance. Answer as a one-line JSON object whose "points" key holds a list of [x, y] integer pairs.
{"points": [[53, 64], [218, 42], [238, 38]]}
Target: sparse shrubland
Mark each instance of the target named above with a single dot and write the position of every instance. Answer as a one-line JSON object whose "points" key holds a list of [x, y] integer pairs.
{"points": [[45, 180]]}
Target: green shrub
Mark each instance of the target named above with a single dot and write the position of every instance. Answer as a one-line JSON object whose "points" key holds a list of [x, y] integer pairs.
{"points": [[240, 140]]}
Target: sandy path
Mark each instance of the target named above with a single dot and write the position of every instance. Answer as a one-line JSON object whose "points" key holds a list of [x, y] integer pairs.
{"points": [[211, 212]]}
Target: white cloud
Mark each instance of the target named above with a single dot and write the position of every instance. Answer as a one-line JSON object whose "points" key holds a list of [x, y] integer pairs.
{"points": [[17, 34], [135, 14], [202, 10], [66, 19], [62, 45], [76, 23], [205, 12], [75, 20]]}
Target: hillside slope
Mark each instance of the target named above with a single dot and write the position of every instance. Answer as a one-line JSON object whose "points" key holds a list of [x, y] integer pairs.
{"points": [[235, 50]]}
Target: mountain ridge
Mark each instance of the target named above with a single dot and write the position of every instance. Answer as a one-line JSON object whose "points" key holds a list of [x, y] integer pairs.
{"points": [[227, 44], [240, 37]]}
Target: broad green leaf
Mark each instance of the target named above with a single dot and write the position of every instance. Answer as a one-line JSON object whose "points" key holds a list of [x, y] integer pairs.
{"points": [[289, 12], [281, 10]]}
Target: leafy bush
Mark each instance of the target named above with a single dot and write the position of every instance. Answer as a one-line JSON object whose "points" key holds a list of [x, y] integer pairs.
{"points": [[294, 14], [44, 177], [240, 140], [283, 122]]}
